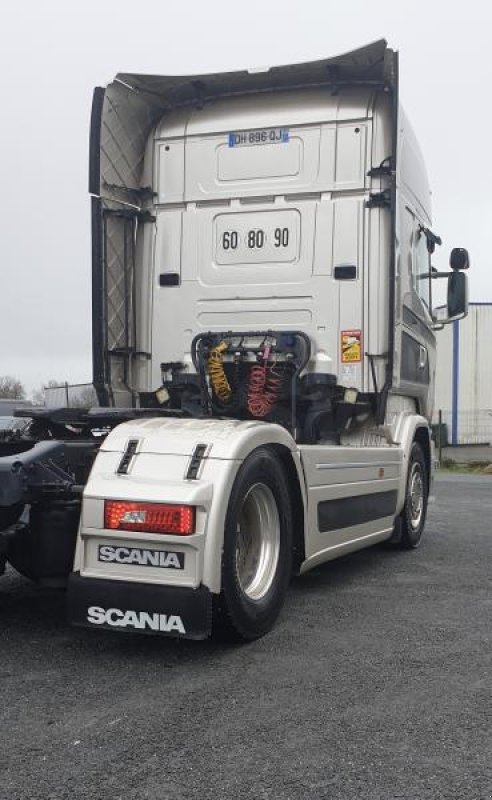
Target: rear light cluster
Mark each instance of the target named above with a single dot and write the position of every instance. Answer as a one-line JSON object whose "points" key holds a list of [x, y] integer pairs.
{"points": [[120, 515]]}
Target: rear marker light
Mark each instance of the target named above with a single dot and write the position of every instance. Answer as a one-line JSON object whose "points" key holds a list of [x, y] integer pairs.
{"points": [[149, 517]]}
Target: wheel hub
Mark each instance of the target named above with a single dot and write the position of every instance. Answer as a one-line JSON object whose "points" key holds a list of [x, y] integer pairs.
{"points": [[258, 542], [416, 496]]}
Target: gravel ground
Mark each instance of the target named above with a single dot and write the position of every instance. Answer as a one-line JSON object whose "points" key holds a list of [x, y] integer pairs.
{"points": [[375, 684]]}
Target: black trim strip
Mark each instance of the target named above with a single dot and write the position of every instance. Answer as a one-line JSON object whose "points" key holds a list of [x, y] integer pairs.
{"points": [[98, 280], [345, 272], [388, 383], [196, 461], [169, 279], [98, 305], [95, 141], [411, 369], [348, 511], [130, 451], [411, 319]]}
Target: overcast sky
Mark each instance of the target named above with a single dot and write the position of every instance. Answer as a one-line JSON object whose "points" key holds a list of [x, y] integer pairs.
{"points": [[54, 52]]}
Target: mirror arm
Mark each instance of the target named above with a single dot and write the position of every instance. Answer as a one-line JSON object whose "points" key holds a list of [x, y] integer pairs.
{"points": [[440, 274], [435, 274]]}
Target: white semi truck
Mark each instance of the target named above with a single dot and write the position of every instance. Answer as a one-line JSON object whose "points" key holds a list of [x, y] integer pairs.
{"points": [[263, 349]]}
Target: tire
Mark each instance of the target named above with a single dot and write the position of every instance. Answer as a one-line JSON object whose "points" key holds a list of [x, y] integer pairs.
{"points": [[257, 553], [43, 549], [9, 515], [411, 521]]}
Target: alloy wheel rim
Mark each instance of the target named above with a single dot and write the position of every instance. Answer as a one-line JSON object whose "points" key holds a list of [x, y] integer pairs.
{"points": [[258, 542], [416, 496]]}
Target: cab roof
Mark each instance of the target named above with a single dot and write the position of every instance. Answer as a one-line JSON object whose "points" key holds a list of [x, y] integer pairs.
{"points": [[125, 112], [373, 64]]}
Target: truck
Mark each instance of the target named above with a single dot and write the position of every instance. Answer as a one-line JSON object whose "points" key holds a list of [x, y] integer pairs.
{"points": [[263, 350]]}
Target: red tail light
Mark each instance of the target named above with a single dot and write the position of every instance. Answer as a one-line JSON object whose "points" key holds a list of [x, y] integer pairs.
{"points": [[120, 515]]}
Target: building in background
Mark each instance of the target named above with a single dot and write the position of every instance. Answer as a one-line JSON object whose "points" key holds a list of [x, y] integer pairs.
{"points": [[464, 377], [8, 406], [70, 395]]}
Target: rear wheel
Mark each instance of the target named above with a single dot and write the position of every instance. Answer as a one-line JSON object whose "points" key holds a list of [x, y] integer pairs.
{"points": [[9, 515], [257, 555]]}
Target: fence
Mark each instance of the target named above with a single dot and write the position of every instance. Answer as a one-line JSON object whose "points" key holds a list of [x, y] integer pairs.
{"points": [[468, 427]]}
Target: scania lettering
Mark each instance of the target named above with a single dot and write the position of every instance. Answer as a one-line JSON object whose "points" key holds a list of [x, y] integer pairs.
{"points": [[139, 620], [264, 347], [145, 558]]}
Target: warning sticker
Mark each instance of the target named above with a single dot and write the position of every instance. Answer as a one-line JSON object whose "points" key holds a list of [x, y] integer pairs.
{"points": [[348, 374], [351, 346]]}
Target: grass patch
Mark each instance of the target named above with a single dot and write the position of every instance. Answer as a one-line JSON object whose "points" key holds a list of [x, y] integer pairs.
{"points": [[470, 467]]}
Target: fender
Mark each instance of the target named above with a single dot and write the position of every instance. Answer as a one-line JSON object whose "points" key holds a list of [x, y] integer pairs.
{"points": [[407, 427], [221, 468], [227, 439], [169, 444], [223, 483]]}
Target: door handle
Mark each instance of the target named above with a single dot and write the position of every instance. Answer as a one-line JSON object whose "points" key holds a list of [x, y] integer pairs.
{"points": [[422, 357]]}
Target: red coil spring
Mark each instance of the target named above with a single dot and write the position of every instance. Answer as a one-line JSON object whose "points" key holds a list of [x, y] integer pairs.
{"points": [[263, 389]]}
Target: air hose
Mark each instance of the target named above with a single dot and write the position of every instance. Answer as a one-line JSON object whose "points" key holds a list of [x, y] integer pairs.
{"points": [[218, 378], [265, 384]]}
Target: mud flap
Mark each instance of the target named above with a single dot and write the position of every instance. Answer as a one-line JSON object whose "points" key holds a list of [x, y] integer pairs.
{"points": [[139, 608], [395, 538]]}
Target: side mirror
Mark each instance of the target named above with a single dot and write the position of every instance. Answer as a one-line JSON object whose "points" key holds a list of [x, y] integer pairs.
{"points": [[457, 302], [459, 258]]}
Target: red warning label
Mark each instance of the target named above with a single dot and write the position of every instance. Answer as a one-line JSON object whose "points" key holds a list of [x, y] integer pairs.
{"points": [[351, 342]]}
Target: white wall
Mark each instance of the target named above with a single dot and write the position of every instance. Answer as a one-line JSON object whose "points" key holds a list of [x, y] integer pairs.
{"points": [[472, 413]]}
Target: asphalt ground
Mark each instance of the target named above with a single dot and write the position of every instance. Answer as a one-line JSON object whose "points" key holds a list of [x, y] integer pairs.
{"points": [[375, 684]]}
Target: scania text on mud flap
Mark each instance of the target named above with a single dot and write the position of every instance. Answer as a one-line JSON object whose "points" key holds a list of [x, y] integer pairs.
{"points": [[263, 350], [138, 620]]}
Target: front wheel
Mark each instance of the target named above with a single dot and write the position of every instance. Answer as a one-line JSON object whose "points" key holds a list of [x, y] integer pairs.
{"points": [[412, 517], [257, 555]]}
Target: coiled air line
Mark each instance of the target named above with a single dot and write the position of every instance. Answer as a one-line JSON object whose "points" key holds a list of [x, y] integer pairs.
{"points": [[218, 378]]}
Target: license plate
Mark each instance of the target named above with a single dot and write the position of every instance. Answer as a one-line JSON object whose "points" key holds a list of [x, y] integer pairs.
{"points": [[140, 556], [260, 136]]}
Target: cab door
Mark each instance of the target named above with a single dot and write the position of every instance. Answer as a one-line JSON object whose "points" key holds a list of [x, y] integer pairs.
{"points": [[418, 342]]}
